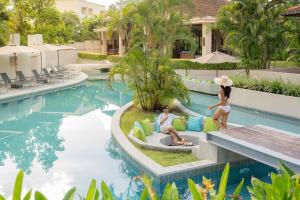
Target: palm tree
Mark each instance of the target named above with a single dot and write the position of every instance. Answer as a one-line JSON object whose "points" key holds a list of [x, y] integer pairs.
{"points": [[254, 29], [156, 25]]}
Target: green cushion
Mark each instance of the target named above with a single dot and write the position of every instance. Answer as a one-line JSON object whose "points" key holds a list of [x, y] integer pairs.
{"points": [[138, 133], [147, 127], [210, 125], [179, 124]]}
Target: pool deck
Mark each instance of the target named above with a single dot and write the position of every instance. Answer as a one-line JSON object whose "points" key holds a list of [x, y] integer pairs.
{"points": [[13, 94], [261, 143]]}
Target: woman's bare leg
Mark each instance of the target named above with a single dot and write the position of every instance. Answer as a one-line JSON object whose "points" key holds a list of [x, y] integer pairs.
{"points": [[224, 119], [218, 114]]}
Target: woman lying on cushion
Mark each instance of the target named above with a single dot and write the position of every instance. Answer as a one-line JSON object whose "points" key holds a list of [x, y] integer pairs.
{"points": [[165, 119]]}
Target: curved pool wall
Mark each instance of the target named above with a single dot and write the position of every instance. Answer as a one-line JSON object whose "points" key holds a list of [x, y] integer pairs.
{"points": [[63, 139]]}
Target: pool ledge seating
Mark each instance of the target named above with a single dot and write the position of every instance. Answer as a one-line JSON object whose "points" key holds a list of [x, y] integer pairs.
{"points": [[161, 142]]}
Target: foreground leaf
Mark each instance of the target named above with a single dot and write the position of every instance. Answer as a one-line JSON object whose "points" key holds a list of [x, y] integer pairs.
{"points": [[91, 191], [39, 196], [70, 194], [28, 195], [18, 186], [106, 193], [170, 192], [238, 190], [223, 183], [196, 194], [285, 169]]}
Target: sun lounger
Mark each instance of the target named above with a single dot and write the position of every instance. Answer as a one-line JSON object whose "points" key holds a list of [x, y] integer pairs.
{"points": [[39, 78], [51, 76], [22, 79], [6, 80]]}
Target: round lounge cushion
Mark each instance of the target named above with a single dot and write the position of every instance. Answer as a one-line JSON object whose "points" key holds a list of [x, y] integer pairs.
{"points": [[210, 125], [138, 133], [147, 127], [179, 124]]}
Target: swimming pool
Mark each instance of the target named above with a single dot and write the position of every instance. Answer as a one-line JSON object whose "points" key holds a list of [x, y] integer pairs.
{"points": [[63, 139]]}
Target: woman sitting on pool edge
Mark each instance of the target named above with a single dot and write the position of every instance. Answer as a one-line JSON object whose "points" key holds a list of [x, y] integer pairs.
{"points": [[224, 108], [165, 119]]}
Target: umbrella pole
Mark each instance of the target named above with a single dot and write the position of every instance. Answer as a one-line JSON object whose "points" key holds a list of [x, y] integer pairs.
{"points": [[41, 54], [58, 59], [15, 56]]}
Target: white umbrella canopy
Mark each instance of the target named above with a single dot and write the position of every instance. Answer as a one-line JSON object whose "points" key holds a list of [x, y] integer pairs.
{"points": [[51, 47], [11, 49], [216, 57]]}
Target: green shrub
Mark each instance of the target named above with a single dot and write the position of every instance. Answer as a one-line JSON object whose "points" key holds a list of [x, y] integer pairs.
{"points": [[271, 86], [92, 56], [188, 64], [115, 58]]}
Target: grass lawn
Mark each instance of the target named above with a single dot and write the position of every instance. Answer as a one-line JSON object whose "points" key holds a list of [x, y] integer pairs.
{"points": [[163, 158], [284, 64]]}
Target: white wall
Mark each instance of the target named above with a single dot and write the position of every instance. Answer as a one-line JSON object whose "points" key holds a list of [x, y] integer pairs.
{"points": [[77, 5]]}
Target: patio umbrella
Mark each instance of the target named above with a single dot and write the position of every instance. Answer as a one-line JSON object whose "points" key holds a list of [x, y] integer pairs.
{"points": [[14, 50], [51, 47], [217, 58]]}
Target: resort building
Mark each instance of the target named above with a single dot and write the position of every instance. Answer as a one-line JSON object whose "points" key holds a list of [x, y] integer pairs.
{"points": [[293, 12], [82, 8], [204, 15]]}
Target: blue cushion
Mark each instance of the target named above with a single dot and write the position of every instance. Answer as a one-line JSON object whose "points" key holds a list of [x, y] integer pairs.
{"points": [[195, 123], [157, 125]]}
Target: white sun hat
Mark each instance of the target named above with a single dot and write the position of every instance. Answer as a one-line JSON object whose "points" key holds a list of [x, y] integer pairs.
{"points": [[223, 80]]}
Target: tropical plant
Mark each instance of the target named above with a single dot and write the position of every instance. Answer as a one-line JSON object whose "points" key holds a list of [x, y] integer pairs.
{"points": [[254, 29], [208, 191], [156, 26], [4, 17], [119, 19], [71, 31], [284, 186]]}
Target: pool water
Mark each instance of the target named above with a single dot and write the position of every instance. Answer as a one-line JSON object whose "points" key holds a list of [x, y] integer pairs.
{"points": [[63, 139]]}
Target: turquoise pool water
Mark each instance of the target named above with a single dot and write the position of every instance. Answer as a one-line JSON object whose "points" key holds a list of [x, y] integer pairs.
{"points": [[63, 139]]}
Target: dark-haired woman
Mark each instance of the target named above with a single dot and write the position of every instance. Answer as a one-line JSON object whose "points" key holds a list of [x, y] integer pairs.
{"points": [[221, 115]]}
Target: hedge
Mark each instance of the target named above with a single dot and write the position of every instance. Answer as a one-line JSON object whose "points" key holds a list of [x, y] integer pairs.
{"points": [[271, 86], [188, 64], [98, 56], [115, 58], [92, 56]]}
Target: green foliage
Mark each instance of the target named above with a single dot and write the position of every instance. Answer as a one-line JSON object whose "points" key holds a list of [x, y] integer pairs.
{"points": [[271, 86], [115, 58], [188, 64], [149, 76], [92, 56], [285, 185], [106, 193], [4, 17], [254, 29], [155, 26], [72, 26], [70, 194], [208, 191]]}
